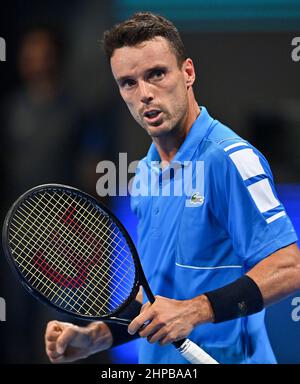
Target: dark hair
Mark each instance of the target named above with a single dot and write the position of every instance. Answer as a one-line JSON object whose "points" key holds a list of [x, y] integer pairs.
{"points": [[143, 26]]}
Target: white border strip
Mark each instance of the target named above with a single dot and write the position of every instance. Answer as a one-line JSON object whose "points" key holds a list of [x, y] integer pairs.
{"points": [[240, 144], [275, 217], [220, 267]]}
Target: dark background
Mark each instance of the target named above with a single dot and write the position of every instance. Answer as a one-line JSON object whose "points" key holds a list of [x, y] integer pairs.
{"points": [[245, 77]]}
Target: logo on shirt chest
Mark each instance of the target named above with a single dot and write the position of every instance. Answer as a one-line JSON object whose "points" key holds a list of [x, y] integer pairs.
{"points": [[195, 200]]}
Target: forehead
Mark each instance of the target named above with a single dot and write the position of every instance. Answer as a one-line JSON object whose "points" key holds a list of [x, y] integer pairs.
{"points": [[147, 54]]}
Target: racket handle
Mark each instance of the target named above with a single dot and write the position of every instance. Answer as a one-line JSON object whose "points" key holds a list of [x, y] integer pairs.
{"points": [[193, 353]]}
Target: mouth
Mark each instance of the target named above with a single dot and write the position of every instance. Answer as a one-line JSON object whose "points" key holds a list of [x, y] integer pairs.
{"points": [[152, 116]]}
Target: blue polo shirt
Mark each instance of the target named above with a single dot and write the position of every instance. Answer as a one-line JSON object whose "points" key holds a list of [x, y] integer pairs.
{"points": [[204, 221]]}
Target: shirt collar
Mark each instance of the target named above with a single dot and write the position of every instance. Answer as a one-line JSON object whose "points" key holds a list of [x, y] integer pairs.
{"points": [[194, 137]]}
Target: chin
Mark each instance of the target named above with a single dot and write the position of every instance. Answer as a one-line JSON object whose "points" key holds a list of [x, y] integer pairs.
{"points": [[158, 131]]}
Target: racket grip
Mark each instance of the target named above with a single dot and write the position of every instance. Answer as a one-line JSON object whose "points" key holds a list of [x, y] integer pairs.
{"points": [[193, 353]]}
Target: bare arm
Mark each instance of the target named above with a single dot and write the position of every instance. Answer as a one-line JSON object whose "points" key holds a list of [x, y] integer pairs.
{"points": [[66, 342], [278, 275]]}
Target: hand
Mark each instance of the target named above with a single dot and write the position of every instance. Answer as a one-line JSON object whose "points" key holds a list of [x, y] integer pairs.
{"points": [[170, 320], [66, 342]]}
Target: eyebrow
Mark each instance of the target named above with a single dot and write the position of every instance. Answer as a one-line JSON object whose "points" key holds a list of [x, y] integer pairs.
{"points": [[154, 68]]}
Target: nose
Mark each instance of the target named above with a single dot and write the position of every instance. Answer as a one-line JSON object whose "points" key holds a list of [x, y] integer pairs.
{"points": [[146, 93]]}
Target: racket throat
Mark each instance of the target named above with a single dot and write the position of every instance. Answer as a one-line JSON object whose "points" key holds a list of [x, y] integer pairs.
{"points": [[118, 320]]}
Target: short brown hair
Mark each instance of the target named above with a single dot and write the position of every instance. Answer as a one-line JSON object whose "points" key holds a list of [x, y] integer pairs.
{"points": [[143, 26]]}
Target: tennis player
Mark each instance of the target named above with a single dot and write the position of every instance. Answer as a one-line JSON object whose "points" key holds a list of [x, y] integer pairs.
{"points": [[215, 258]]}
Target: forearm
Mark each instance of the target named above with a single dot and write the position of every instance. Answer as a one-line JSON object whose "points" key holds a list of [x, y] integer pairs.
{"points": [[100, 335], [278, 275]]}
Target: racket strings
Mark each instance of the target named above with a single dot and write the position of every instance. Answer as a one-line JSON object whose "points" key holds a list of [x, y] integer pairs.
{"points": [[104, 233], [48, 223], [64, 234], [66, 242]]}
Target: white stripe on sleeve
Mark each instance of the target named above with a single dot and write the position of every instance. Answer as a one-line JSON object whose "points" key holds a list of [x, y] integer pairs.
{"points": [[263, 195], [239, 144], [275, 217], [247, 163]]}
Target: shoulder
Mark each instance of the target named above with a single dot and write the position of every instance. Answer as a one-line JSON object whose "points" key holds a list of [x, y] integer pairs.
{"points": [[221, 139], [227, 151]]}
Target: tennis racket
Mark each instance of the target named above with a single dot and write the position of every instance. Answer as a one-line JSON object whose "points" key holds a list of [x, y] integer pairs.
{"points": [[72, 253]]}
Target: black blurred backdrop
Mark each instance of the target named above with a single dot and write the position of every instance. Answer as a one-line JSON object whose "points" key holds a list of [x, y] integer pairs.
{"points": [[57, 123]]}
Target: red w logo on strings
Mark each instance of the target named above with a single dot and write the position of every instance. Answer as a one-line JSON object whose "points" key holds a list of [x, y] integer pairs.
{"points": [[65, 255]]}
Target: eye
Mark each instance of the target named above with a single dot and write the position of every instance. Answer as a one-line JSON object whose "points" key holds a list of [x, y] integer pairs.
{"points": [[127, 83], [157, 74]]}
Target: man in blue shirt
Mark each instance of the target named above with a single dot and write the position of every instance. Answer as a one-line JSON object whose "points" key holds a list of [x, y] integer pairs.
{"points": [[216, 244]]}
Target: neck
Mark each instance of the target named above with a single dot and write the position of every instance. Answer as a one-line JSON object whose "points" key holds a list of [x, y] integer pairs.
{"points": [[167, 146]]}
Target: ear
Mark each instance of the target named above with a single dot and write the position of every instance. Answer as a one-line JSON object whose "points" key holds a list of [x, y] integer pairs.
{"points": [[189, 72]]}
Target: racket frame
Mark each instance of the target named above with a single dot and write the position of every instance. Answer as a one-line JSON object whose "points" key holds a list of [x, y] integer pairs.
{"points": [[139, 280]]}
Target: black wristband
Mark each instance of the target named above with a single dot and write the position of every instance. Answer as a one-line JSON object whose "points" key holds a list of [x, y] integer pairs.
{"points": [[119, 331], [238, 299]]}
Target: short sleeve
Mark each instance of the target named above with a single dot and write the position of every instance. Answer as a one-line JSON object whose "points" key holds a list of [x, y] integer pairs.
{"points": [[245, 202]]}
